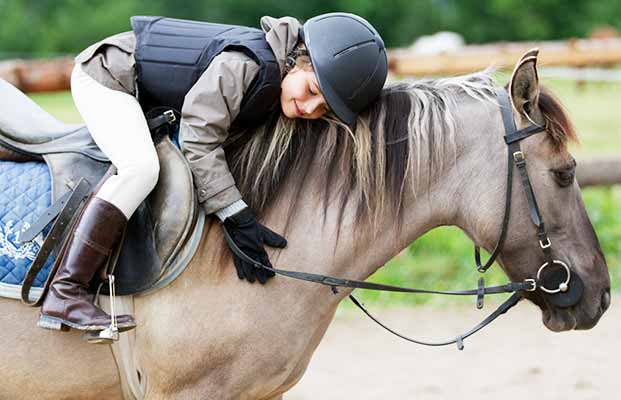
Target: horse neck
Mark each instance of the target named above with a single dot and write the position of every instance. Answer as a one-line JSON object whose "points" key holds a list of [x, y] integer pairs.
{"points": [[318, 247], [315, 246]]}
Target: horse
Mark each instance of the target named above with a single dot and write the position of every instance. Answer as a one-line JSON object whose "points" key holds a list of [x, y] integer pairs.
{"points": [[427, 153]]}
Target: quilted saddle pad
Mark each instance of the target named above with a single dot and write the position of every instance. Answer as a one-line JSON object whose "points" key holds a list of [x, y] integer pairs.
{"points": [[25, 194]]}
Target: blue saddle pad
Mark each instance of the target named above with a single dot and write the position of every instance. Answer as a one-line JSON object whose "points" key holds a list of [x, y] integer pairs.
{"points": [[25, 194]]}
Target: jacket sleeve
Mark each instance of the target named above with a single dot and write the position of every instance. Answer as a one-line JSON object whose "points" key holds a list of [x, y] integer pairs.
{"points": [[208, 110]]}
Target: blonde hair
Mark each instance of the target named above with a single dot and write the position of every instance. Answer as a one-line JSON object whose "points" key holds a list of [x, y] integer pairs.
{"points": [[408, 130]]}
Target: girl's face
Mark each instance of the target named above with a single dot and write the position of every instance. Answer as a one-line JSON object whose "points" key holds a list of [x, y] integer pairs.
{"points": [[300, 96]]}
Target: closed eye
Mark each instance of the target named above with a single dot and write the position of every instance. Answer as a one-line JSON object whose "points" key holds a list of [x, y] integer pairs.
{"points": [[313, 88]]}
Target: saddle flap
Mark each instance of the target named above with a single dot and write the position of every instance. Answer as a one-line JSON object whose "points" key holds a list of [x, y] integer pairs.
{"points": [[160, 227], [33, 131], [27, 122]]}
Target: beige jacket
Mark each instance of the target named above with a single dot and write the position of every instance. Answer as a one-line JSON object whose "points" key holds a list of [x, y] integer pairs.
{"points": [[209, 107]]}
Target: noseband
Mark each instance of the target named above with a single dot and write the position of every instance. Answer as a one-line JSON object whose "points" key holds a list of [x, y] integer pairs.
{"points": [[555, 279]]}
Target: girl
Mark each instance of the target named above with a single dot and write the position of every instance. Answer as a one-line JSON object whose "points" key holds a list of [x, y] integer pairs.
{"points": [[221, 77]]}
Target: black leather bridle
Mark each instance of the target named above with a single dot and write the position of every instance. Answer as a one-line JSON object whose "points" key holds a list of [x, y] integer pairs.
{"points": [[554, 278]]}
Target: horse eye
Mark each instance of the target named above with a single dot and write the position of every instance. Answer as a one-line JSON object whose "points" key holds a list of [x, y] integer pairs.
{"points": [[565, 177]]}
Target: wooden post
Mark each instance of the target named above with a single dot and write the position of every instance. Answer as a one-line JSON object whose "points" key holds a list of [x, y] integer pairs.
{"points": [[38, 75]]}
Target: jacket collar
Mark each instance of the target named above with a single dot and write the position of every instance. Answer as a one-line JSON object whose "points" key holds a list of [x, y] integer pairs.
{"points": [[282, 35]]}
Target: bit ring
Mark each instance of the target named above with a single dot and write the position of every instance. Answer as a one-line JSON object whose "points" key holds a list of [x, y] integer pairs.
{"points": [[562, 287]]}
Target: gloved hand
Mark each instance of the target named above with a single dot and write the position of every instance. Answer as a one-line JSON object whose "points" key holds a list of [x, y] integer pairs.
{"points": [[250, 236]]}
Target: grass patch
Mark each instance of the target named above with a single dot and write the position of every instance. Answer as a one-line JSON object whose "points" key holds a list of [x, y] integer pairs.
{"points": [[59, 104]]}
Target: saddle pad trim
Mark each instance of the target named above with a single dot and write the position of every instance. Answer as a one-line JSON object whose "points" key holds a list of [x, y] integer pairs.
{"points": [[12, 291], [183, 259]]}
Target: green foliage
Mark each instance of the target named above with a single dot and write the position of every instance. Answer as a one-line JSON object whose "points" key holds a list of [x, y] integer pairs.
{"points": [[52, 27], [587, 107]]}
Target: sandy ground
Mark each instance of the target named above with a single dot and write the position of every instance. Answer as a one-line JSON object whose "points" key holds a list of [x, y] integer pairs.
{"points": [[514, 358]]}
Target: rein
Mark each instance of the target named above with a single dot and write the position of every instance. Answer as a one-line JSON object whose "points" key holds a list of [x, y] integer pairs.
{"points": [[566, 294]]}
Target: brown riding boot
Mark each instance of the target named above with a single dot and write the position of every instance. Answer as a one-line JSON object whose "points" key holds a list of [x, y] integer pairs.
{"points": [[68, 304]]}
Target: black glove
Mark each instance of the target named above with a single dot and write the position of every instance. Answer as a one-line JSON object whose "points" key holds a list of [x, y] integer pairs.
{"points": [[250, 236]]}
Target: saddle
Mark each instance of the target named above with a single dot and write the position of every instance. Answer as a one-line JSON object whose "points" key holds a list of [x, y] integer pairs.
{"points": [[161, 236]]}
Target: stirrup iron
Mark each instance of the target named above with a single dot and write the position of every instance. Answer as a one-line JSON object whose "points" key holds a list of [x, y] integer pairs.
{"points": [[111, 333]]}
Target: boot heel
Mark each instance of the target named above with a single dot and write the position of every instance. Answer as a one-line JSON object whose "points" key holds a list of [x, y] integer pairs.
{"points": [[46, 322]]}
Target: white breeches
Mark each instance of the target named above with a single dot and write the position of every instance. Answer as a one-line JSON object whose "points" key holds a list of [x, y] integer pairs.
{"points": [[120, 129]]}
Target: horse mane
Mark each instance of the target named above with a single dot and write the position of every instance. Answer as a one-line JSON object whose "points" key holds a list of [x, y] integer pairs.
{"points": [[411, 124], [410, 128]]}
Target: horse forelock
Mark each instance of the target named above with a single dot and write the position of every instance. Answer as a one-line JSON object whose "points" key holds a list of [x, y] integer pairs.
{"points": [[558, 125], [402, 141]]}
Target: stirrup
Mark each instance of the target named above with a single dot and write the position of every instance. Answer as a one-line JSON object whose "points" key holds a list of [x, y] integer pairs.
{"points": [[107, 336], [111, 333]]}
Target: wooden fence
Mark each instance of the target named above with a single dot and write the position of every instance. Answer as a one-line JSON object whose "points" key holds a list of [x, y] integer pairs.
{"points": [[571, 53], [601, 171], [38, 75], [55, 75]]}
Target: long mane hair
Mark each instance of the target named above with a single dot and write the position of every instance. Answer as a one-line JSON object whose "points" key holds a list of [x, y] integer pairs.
{"points": [[411, 124]]}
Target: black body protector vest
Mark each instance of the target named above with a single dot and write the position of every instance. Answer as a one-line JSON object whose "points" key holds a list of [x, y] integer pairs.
{"points": [[172, 54]]}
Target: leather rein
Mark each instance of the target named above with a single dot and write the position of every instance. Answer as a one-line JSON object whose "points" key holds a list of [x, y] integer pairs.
{"points": [[565, 291]]}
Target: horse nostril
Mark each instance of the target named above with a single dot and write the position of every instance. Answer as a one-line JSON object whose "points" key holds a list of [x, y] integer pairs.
{"points": [[605, 299]]}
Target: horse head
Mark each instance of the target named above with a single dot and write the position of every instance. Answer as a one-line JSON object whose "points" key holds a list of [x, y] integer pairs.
{"points": [[571, 240], [427, 154]]}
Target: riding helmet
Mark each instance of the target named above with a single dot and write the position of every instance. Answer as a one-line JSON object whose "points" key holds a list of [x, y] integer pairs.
{"points": [[349, 60]]}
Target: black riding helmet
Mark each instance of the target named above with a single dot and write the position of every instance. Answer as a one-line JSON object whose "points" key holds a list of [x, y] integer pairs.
{"points": [[349, 59]]}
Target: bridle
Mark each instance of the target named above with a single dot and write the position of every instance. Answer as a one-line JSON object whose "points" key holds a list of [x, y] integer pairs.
{"points": [[553, 272], [555, 279]]}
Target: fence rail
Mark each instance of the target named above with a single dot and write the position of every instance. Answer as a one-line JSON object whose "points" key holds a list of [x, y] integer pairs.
{"points": [[48, 75], [55, 75], [569, 53], [601, 171]]}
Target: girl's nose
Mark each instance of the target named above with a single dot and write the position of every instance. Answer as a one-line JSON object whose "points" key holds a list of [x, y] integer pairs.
{"points": [[312, 104]]}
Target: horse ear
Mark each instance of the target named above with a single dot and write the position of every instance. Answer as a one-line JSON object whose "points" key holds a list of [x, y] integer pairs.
{"points": [[524, 84], [534, 52]]}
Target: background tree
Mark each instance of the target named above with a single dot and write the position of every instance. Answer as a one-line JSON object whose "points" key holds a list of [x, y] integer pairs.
{"points": [[39, 28]]}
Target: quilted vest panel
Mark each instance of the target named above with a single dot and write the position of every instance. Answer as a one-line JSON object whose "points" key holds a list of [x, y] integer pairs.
{"points": [[171, 55]]}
